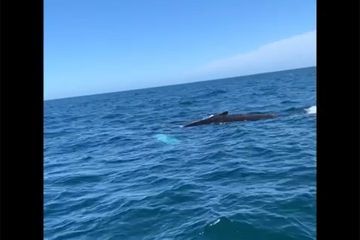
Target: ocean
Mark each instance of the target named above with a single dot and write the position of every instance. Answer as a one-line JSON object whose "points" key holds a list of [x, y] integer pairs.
{"points": [[121, 166]]}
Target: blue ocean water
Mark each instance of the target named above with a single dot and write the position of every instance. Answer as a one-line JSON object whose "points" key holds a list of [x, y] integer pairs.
{"points": [[120, 166]]}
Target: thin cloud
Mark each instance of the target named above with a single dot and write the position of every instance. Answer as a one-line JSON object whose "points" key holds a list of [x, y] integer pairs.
{"points": [[294, 52]]}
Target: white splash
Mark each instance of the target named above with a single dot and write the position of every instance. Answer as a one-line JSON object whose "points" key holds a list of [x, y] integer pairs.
{"points": [[216, 222], [311, 110]]}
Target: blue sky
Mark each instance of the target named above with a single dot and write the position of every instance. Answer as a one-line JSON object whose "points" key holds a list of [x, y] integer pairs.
{"points": [[96, 46]]}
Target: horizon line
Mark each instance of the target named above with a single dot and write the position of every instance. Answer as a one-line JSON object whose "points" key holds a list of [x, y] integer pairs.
{"points": [[216, 79]]}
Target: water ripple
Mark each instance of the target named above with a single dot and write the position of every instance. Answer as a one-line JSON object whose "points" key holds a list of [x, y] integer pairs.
{"points": [[119, 166]]}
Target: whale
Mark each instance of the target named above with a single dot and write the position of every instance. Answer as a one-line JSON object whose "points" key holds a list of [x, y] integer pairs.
{"points": [[225, 117]]}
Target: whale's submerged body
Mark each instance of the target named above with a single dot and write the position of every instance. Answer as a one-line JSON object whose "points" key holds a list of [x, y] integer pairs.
{"points": [[225, 117]]}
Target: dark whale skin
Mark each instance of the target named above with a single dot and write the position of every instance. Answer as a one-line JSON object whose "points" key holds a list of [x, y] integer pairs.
{"points": [[224, 117]]}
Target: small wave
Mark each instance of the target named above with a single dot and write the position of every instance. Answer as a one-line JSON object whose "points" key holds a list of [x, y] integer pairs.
{"points": [[224, 228], [80, 179], [186, 103], [287, 101], [213, 93], [311, 110], [112, 116], [115, 139], [218, 91], [57, 133]]}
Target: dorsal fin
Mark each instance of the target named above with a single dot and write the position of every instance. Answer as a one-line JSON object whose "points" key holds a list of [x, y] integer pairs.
{"points": [[218, 114], [224, 113]]}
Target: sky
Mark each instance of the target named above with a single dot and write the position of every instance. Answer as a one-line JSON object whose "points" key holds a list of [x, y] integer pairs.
{"points": [[99, 46]]}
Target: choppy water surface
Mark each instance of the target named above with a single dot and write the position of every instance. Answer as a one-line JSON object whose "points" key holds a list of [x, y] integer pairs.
{"points": [[120, 166]]}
